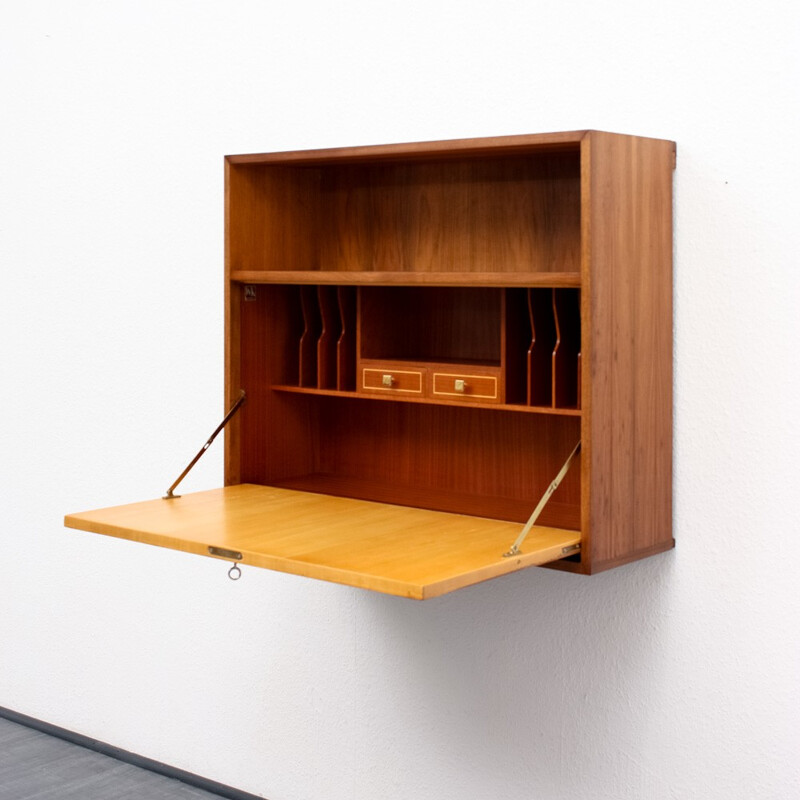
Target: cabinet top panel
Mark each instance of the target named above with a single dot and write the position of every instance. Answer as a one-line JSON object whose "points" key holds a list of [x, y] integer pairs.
{"points": [[494, 145], [491, 145]]}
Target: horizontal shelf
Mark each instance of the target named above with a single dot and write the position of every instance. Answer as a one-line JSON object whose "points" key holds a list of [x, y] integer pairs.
{"points": [[410, 552], [567, 412], [353, 278]]}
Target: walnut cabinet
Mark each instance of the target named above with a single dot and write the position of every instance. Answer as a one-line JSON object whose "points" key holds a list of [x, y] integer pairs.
{"points": [[424, 332]]}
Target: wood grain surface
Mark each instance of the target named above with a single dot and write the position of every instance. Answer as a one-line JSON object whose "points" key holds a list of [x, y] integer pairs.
{"points": [[627, 375], [497, 215], [389, 278], [402, 551], [422, 151]]}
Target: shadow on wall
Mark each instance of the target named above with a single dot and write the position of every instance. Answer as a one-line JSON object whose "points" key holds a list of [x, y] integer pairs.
{"points": [[538, 674]]}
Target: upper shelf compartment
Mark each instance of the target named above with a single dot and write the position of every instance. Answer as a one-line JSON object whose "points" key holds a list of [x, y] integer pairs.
{"points": [[494, 216]]}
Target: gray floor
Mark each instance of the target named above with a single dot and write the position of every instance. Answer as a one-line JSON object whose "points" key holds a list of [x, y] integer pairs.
{"points": [[35, 766]]}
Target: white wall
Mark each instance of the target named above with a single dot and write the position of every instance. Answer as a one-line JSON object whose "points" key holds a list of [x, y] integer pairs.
{"points": [[676, 677]]}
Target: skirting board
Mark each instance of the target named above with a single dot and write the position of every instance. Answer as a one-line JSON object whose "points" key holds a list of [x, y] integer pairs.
{"points": [[188, 778]]}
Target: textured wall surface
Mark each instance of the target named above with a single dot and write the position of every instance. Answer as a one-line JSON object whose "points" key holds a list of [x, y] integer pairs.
{"points": [[672, 678]]}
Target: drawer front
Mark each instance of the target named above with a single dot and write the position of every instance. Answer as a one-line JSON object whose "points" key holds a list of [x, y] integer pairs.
{"points": [[392, 381], [476, 388]]}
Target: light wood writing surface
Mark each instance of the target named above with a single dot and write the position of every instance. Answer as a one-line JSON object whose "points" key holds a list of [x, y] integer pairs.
{"points": [[397, 550]]}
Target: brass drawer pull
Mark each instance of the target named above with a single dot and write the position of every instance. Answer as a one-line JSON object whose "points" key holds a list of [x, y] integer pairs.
{"points": [[460, 385], [387, 380]]}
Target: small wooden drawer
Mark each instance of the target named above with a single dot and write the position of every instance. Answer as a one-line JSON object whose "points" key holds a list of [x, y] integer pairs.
{"points": [[393, 381], [476, 388]]}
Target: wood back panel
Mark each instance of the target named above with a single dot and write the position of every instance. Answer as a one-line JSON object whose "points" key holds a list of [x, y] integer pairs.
{"points": [[430, 323], [272, 217], [414, 448], [513, 214]]}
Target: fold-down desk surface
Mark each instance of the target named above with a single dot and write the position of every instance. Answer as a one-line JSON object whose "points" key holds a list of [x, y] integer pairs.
{"points": [[398, 550]]}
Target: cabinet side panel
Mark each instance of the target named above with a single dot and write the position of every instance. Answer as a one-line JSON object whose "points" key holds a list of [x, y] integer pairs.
{"points": [[233, 382], [233, 377], [630, 389]]}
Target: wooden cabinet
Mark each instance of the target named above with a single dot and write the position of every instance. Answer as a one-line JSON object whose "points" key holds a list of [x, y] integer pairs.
{"points": [[424, 332]]}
